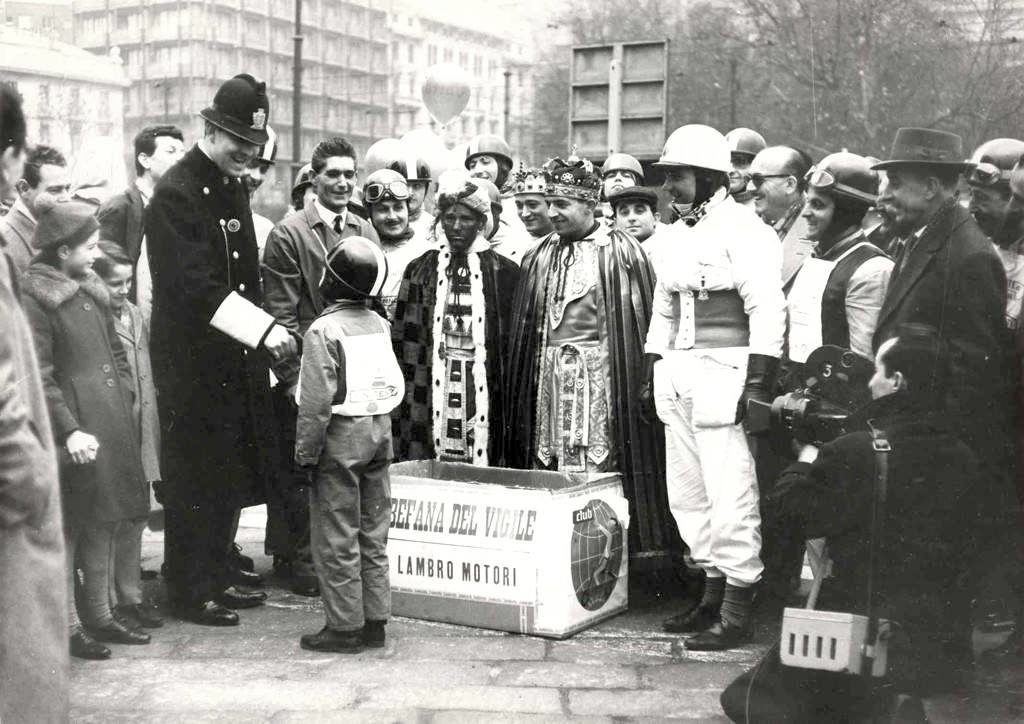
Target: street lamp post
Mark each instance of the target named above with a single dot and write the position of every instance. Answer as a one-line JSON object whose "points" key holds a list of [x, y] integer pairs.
{"points": [[297, 91]]}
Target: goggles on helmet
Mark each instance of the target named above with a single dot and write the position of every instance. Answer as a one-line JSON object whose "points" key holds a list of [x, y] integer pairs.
{"points": [[823, 180], [987, 174], [374, 192]]}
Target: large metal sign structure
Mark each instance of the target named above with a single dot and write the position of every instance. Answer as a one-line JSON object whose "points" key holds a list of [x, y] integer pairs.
{"points": [[618, 98]]}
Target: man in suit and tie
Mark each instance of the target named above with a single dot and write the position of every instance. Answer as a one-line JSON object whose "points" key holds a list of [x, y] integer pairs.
{"points": [[293, 265], [45, 175]]}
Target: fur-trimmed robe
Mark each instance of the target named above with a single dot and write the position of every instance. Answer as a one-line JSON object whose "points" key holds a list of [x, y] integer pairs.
{"points": [[412, 333]]}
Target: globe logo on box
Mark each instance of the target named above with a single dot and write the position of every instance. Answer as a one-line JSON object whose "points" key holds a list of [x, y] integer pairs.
{"points": [[596, 553]]}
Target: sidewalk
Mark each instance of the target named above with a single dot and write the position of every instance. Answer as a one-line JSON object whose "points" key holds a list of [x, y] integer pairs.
{"points": [[622, 670]]}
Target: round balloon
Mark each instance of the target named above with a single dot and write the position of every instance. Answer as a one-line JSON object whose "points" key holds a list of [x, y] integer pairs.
{"points": [[380, 154], [445, 91]]}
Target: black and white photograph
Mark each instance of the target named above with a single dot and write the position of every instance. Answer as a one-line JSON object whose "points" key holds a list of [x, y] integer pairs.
{"points": [[444, 362]]}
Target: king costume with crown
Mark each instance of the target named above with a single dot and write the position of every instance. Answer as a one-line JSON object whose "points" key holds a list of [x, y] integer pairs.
{"points": [[576, 358]]}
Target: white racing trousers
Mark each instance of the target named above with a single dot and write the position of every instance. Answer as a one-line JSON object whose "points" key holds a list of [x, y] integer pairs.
{"points": [[712, 485]]}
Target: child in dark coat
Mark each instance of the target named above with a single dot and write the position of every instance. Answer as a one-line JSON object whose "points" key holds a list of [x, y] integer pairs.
{"points": [[86, 381]]}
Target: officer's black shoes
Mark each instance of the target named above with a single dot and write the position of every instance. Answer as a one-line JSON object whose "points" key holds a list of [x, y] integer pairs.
{"points": [[373, 634], [234, 597], [115, 633], [331, 641], [306, 586], [719, 637], [84, 646], [242, 577], [237, 560], [207, 613]]}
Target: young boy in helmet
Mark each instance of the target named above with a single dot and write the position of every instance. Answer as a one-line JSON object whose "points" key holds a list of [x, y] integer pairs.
{"points": [[348, 385], [716, 333]]}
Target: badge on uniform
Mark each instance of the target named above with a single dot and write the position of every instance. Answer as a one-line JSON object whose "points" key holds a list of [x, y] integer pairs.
{"points": [[234, 225], [259, 119]]}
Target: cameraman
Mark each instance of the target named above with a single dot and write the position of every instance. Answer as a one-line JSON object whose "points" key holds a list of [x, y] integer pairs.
{"points": [[927, 532]]}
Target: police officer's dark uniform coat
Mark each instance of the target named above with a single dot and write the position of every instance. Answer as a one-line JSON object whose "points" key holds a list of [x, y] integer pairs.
{"points": [[209, 366]]}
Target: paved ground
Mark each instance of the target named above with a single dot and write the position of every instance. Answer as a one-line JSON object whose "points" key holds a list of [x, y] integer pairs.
{"points": [[622, 670]]}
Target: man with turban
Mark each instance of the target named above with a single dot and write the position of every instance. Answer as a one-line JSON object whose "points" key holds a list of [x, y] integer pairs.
{"points": [[451, 322]]}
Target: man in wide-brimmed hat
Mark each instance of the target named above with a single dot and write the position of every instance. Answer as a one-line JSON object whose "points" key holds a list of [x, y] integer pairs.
{"points": [[212, 344], [948, 277]]}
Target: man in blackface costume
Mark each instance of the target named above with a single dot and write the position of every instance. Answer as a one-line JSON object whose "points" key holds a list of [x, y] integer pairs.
{"points": [[451, 324], [576, 355]]}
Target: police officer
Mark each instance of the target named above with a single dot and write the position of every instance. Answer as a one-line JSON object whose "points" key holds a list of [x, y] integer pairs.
{"points": [[211, 347], [837, 294], [716, 331], [744, 144]]}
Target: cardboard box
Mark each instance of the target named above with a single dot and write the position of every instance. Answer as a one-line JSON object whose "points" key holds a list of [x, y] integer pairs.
{"points": [[523, 551]]}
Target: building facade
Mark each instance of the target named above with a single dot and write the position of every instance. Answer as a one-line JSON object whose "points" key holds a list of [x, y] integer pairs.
{"points": [[72, 99], [177, 52]]}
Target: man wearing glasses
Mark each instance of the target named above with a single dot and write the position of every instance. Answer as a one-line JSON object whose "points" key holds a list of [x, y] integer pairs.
{"points": [[293, 264], [777, 182]]}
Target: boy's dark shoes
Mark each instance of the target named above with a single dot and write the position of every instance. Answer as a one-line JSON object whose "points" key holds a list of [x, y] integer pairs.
{"points": [[306, 586], [115, 633], [328, 640], [719, 637], [242, 577], [235, 597], [139, 616], [373, 634], [207, 613], [84, 646]]}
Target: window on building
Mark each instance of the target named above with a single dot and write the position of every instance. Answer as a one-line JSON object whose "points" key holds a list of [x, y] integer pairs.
{"points": [[463, 60], [431, 54], [412, 53], [478, 65], [447, 55]]}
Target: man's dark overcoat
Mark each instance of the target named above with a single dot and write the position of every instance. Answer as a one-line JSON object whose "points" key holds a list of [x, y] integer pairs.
{"points": [[213, 386]]}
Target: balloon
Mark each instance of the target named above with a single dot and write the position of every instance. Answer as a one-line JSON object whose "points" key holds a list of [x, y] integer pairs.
{"points": [[445, 92], [380, 154], [427, 145]]}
